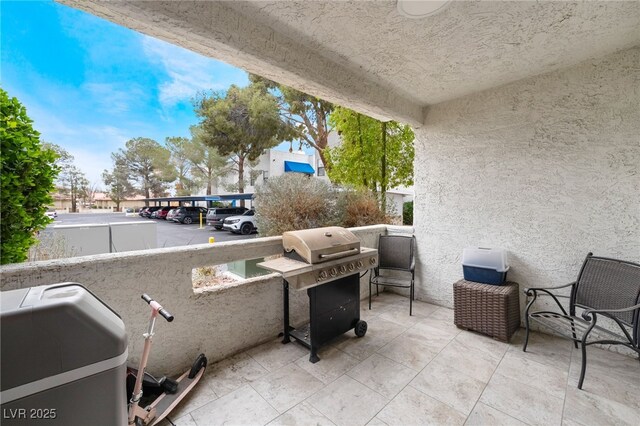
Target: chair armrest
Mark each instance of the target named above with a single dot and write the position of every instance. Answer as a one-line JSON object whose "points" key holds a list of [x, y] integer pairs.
{"points": [[546, 289], [586, 314]]}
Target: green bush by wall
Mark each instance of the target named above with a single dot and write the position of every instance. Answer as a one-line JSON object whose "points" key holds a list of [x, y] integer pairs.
{"points": [[27, 172], [407, 213]]}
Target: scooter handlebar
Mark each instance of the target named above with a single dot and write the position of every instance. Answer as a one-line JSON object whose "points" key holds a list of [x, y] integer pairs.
{"points": [[166, 314], [162, 311]]}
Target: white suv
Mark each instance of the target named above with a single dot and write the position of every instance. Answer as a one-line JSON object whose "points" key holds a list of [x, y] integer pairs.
{"points": [[244, 224]]}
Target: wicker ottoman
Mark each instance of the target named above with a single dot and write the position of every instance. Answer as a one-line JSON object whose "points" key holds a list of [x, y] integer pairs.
{"points": [[489, 309]]}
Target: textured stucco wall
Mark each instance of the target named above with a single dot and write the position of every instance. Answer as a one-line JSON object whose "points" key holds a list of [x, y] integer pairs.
{"points": [[218, 323], [547, 167]]}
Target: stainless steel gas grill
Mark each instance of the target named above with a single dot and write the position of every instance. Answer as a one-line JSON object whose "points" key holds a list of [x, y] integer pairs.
{"points": [[326, 262]]}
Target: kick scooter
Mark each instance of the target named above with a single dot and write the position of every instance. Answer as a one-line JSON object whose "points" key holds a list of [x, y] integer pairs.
{"points": [[173, 391]]}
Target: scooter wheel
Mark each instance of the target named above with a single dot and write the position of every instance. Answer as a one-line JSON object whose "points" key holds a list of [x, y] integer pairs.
{"points": [[198, 364]]}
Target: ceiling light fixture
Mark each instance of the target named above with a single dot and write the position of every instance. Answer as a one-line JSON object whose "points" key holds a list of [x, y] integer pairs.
{"points": [[420, 8]]}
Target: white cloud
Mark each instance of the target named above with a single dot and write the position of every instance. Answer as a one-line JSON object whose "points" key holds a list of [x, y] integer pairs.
{"points": [[111, 98], [91, 146], [188, 72], [95, 153], [92, 164]]}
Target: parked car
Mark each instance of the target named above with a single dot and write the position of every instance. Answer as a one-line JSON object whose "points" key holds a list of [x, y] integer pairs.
{"points": [[142, 211], [128, 210], [149, 210], [189, 214], [171, 213], [51, 214], [217, 215], [162, 213], [243, 224]]}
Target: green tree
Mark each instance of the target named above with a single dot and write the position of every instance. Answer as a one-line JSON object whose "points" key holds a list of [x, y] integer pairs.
{"points": [[207, 165], [242, 123], [74, 183], [147, 163], [71, 180], [373, 154], [27, 173], [119, 187], [307, 115], [179, 149], [63, 158]]}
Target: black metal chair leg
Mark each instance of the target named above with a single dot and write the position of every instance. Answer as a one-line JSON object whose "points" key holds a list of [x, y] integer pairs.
{"points": [[411, 298], [410, 303], [526, 323], [526, 335], [573, 332], [583, 368], [369, 294]]}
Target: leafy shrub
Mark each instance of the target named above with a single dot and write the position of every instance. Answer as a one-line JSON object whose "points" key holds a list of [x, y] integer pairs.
{"points": [[27, 173], [360, 208], [407, 213], [294, 201]]}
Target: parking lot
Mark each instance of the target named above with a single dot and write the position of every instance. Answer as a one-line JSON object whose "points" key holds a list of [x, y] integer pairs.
{"points": [[170, 234]]}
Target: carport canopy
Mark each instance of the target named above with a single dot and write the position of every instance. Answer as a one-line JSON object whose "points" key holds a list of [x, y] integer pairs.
{"points": [[208, 198]]}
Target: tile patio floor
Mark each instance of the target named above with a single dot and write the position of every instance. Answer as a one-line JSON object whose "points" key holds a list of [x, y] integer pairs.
{"points": [[416, 370]]}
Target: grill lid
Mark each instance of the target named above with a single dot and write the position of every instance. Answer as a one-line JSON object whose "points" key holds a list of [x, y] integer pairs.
{"points": [[321, 244]]}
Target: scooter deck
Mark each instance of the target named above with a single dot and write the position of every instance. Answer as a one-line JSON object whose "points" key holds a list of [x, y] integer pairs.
{"points": [[167, 402]]}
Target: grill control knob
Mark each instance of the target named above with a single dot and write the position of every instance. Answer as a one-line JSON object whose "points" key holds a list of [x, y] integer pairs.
{"points": [[333, 272], [343, 269], [351, 267], [322, 275], [359, 264], [372, 260]]}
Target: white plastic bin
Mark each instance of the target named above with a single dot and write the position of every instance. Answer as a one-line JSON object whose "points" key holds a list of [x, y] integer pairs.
{"points": [[485, 265]]}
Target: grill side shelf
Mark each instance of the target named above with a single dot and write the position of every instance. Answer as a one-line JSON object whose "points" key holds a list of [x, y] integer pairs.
{"points": [[302, 275], [286, 266]]}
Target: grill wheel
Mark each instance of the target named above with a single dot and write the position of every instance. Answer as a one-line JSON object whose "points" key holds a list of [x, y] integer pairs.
{"points": [[361, 328]]}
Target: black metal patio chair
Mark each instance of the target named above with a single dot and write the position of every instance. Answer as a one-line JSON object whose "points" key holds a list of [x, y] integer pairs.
{"points": [[395, 253], [606, 287]]}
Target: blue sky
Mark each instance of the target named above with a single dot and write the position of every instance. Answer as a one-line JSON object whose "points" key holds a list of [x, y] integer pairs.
{"points": [[90, 85]]}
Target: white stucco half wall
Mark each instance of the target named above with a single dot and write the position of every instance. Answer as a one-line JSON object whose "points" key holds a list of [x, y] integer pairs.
{"points": [[547, 168], [218, 322]]}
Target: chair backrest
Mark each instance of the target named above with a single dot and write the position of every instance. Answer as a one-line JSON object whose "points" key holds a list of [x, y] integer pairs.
{"points": [[608, 284], [396, 252]]}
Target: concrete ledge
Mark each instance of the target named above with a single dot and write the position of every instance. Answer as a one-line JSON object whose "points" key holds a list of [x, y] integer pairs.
{"points": [[217, 322]]}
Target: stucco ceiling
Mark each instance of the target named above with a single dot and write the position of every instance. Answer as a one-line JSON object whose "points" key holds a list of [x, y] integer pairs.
{"points": [[470, 46], [365, 55]]}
